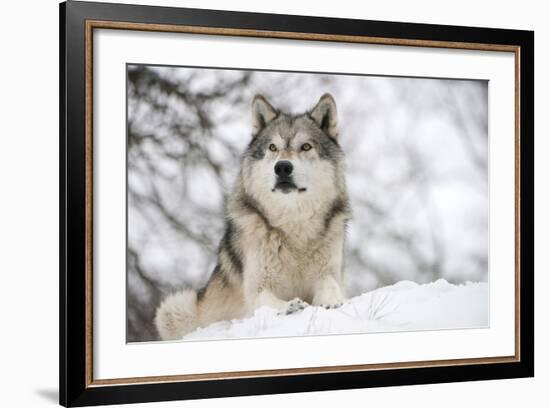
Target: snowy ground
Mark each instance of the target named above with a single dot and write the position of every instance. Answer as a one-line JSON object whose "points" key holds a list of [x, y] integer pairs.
{"points": [[404, 306]]}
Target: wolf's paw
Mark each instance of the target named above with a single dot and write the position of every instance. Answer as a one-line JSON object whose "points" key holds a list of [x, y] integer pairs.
{"points": [[294, 306], [331, 305]]}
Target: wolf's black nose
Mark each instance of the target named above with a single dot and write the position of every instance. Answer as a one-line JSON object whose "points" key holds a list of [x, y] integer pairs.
{"points": [[283, 168]]}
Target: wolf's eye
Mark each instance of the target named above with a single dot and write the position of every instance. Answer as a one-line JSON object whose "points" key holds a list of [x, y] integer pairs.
{"points": [[272, 147], [306, 147]]}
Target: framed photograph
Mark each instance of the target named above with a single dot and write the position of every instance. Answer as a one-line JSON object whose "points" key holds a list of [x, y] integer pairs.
{"points": [[256, 204]]}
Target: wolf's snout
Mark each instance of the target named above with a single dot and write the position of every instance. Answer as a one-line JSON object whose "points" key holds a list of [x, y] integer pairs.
{"points": [[283, 168]]}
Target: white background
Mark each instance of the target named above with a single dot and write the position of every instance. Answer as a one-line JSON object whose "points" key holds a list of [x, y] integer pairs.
{"points": [[29, 205]]}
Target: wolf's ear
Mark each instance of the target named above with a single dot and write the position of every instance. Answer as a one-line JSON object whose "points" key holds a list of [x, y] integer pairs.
{"points": [[324, 114], [262, 113]]}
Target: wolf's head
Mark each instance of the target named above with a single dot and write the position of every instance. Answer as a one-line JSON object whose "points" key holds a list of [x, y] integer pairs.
{"points": [[294, 162]]}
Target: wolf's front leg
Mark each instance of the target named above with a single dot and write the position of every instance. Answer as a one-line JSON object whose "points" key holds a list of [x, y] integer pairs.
{"points": [[267, 298], [328, 293], [262, 275], [257, 289]]}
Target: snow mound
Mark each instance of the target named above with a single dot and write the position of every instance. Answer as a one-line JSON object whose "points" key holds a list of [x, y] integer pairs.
{"points": [[405, 306]]}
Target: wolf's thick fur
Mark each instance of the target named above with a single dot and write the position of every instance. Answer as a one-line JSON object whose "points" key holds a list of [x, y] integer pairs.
{"points": [[285, 225]]}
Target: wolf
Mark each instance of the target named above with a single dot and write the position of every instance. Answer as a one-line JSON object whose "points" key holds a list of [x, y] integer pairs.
{"points": [[285, 223]]}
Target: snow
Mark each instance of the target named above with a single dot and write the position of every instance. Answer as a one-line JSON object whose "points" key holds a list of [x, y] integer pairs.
{"points": [[404, 306]]}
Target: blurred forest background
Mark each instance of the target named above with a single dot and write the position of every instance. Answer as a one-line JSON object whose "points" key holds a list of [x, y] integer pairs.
{"points": [[417, 164]]}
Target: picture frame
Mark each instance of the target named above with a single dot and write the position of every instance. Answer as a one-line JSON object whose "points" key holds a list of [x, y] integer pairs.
{"points": [[78, 161]]}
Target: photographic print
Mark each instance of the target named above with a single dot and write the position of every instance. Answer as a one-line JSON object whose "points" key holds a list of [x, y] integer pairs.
{"points": [[271, 203], [232, 183]]}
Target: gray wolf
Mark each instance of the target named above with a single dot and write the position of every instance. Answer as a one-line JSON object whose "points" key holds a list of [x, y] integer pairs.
{"points": [[285, 225]]}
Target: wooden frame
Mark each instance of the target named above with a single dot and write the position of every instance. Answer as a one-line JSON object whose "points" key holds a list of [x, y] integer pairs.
{"points": [[77, 22]]}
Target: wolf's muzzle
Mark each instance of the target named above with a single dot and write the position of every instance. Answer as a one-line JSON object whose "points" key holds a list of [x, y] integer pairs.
{"points": [[283, 168], [285, 183]]}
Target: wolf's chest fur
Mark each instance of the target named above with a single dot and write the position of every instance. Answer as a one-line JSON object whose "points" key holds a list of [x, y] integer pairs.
{"points": [[298, 269], [293, 256]]}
